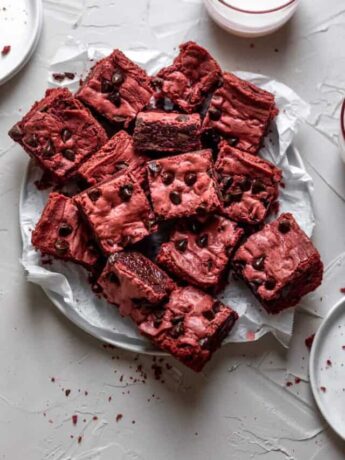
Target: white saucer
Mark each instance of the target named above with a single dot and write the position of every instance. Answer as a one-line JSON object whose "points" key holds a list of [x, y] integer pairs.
{"points": [[20, 26], [327, 368]]}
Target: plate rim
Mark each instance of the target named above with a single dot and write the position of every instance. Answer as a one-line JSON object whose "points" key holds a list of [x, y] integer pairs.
{"points": [[312, 364], [37, 29]]}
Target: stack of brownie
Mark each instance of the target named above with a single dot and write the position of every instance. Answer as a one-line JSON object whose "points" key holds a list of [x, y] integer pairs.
{"points": [[182, 162]]}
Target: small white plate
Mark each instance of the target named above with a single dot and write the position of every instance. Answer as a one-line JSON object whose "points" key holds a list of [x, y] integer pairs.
{"points": [[327, 368], [20, 26]]}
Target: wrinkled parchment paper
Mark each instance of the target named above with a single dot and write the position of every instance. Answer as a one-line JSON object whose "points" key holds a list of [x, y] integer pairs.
{"points": [[66, 284]]}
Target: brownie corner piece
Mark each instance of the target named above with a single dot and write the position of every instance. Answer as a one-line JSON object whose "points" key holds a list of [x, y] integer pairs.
{"points": [[240, 112], [191, 77], [117, 211], [167, 132], [191, 326], [134, 284], [59, 133], [61, 233], [280, 264], [183, 185], [249, 185], [116, 88]]}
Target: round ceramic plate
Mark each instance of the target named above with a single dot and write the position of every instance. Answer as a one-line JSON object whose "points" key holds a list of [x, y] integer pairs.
{"points": [[20, 25], [327, 368]]}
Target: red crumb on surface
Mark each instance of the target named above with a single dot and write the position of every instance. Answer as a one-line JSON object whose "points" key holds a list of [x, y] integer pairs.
{"points": [[109, 398], [297, 380], [95, 417], [343, 347], [329, 362], [79, 439], [52, 379], [323, 389], [157, 371], [5, 50], [119, 417], [67, 393], [342, 290], [74, 419], [61, 76], [288, 384], [309, 341]]}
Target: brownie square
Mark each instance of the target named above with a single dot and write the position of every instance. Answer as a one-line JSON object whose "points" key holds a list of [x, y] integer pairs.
{"points": [[249, 185], [191, 326], [280, 264], [116, 155], [117, 211], [61, 233], [167, 132], [116, 88], [241, 113], [59, 133], [192, 76], [134, 284], [183, 185], [199, 253]]}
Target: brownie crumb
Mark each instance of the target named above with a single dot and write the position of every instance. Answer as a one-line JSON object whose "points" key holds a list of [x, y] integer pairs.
{"points": [[323, 389], [5, 50], [79, 439], [133, 422], [74, 419], [95, 417], [342, 290], [288, 384], [62, 76], [67, 393], [157, 371], [329, 363], [52, 379], [297, 380], [309, 341], [119, 417]]}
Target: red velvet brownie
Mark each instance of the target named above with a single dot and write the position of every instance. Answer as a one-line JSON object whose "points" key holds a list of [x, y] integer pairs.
{"points": [[241, 113], [249, 185], [192, 76], [61, 233], [183, 185], [59, 133], [280, 264], [117, 211], [191, 326], [167, 132], [116, 88], [199, 253], [116, 155], [134, 284]]}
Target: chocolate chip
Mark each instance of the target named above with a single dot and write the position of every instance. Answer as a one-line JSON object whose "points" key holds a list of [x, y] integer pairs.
{"points": [[259, 263], [65, 229], [159, 314], [202, 240], [157, 82], [32, 141], [209, 264], [68, 154], [226, 182], [121, 165], [177, 330], [270, 284], [176, 319], [168, 177], [125, 240], [204, 342], [16, 133], [208, 314], [245, 184], [233, 196], [94, 194], [195, 226], [210, 138], [182, 118], [201, 210], [239, 265], [113, 278], [258, 187], [118, 78], [157, 323], [115, 98], [150, 223], [106, 86], [154, 168], [190, 178], [214, 113], [284, 226], [175, 197], [66, 134], [126, 192], [49, 149], [61, 247], [181, 245], [217, 305], [233, 141]]}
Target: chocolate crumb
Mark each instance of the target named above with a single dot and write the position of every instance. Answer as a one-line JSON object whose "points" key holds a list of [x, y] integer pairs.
{"points": [[67, 393], [329, 362], [342, 290], [323, 389], [79, 439], [52, 379], [309, 341], [119, 417], [289, 384]]}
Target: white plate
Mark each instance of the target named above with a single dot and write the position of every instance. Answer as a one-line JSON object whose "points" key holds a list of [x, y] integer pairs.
{"points": [[327, 368], [20, 27]]}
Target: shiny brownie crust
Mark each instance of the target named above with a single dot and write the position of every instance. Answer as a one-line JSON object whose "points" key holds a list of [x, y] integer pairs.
{"points": [[134, 284], [199, 253], [249, 185], [167, 132], [61, 233], [116, 88], [192, 76], [59, 133], [241, 113], [183, 185], [116, 155], [280, 264], [117, 211], [191, 326]]}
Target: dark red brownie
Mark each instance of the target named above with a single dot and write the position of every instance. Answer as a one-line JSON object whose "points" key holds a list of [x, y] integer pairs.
{"points": [[199, 253], [280, 264], [241, 113], [183, 185], [116, 155], [61, 233], [117, 211], [192, 76], [249, 185], [167, 132], [134, 284], [59, 133], [191, 326], [116, 88]]}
